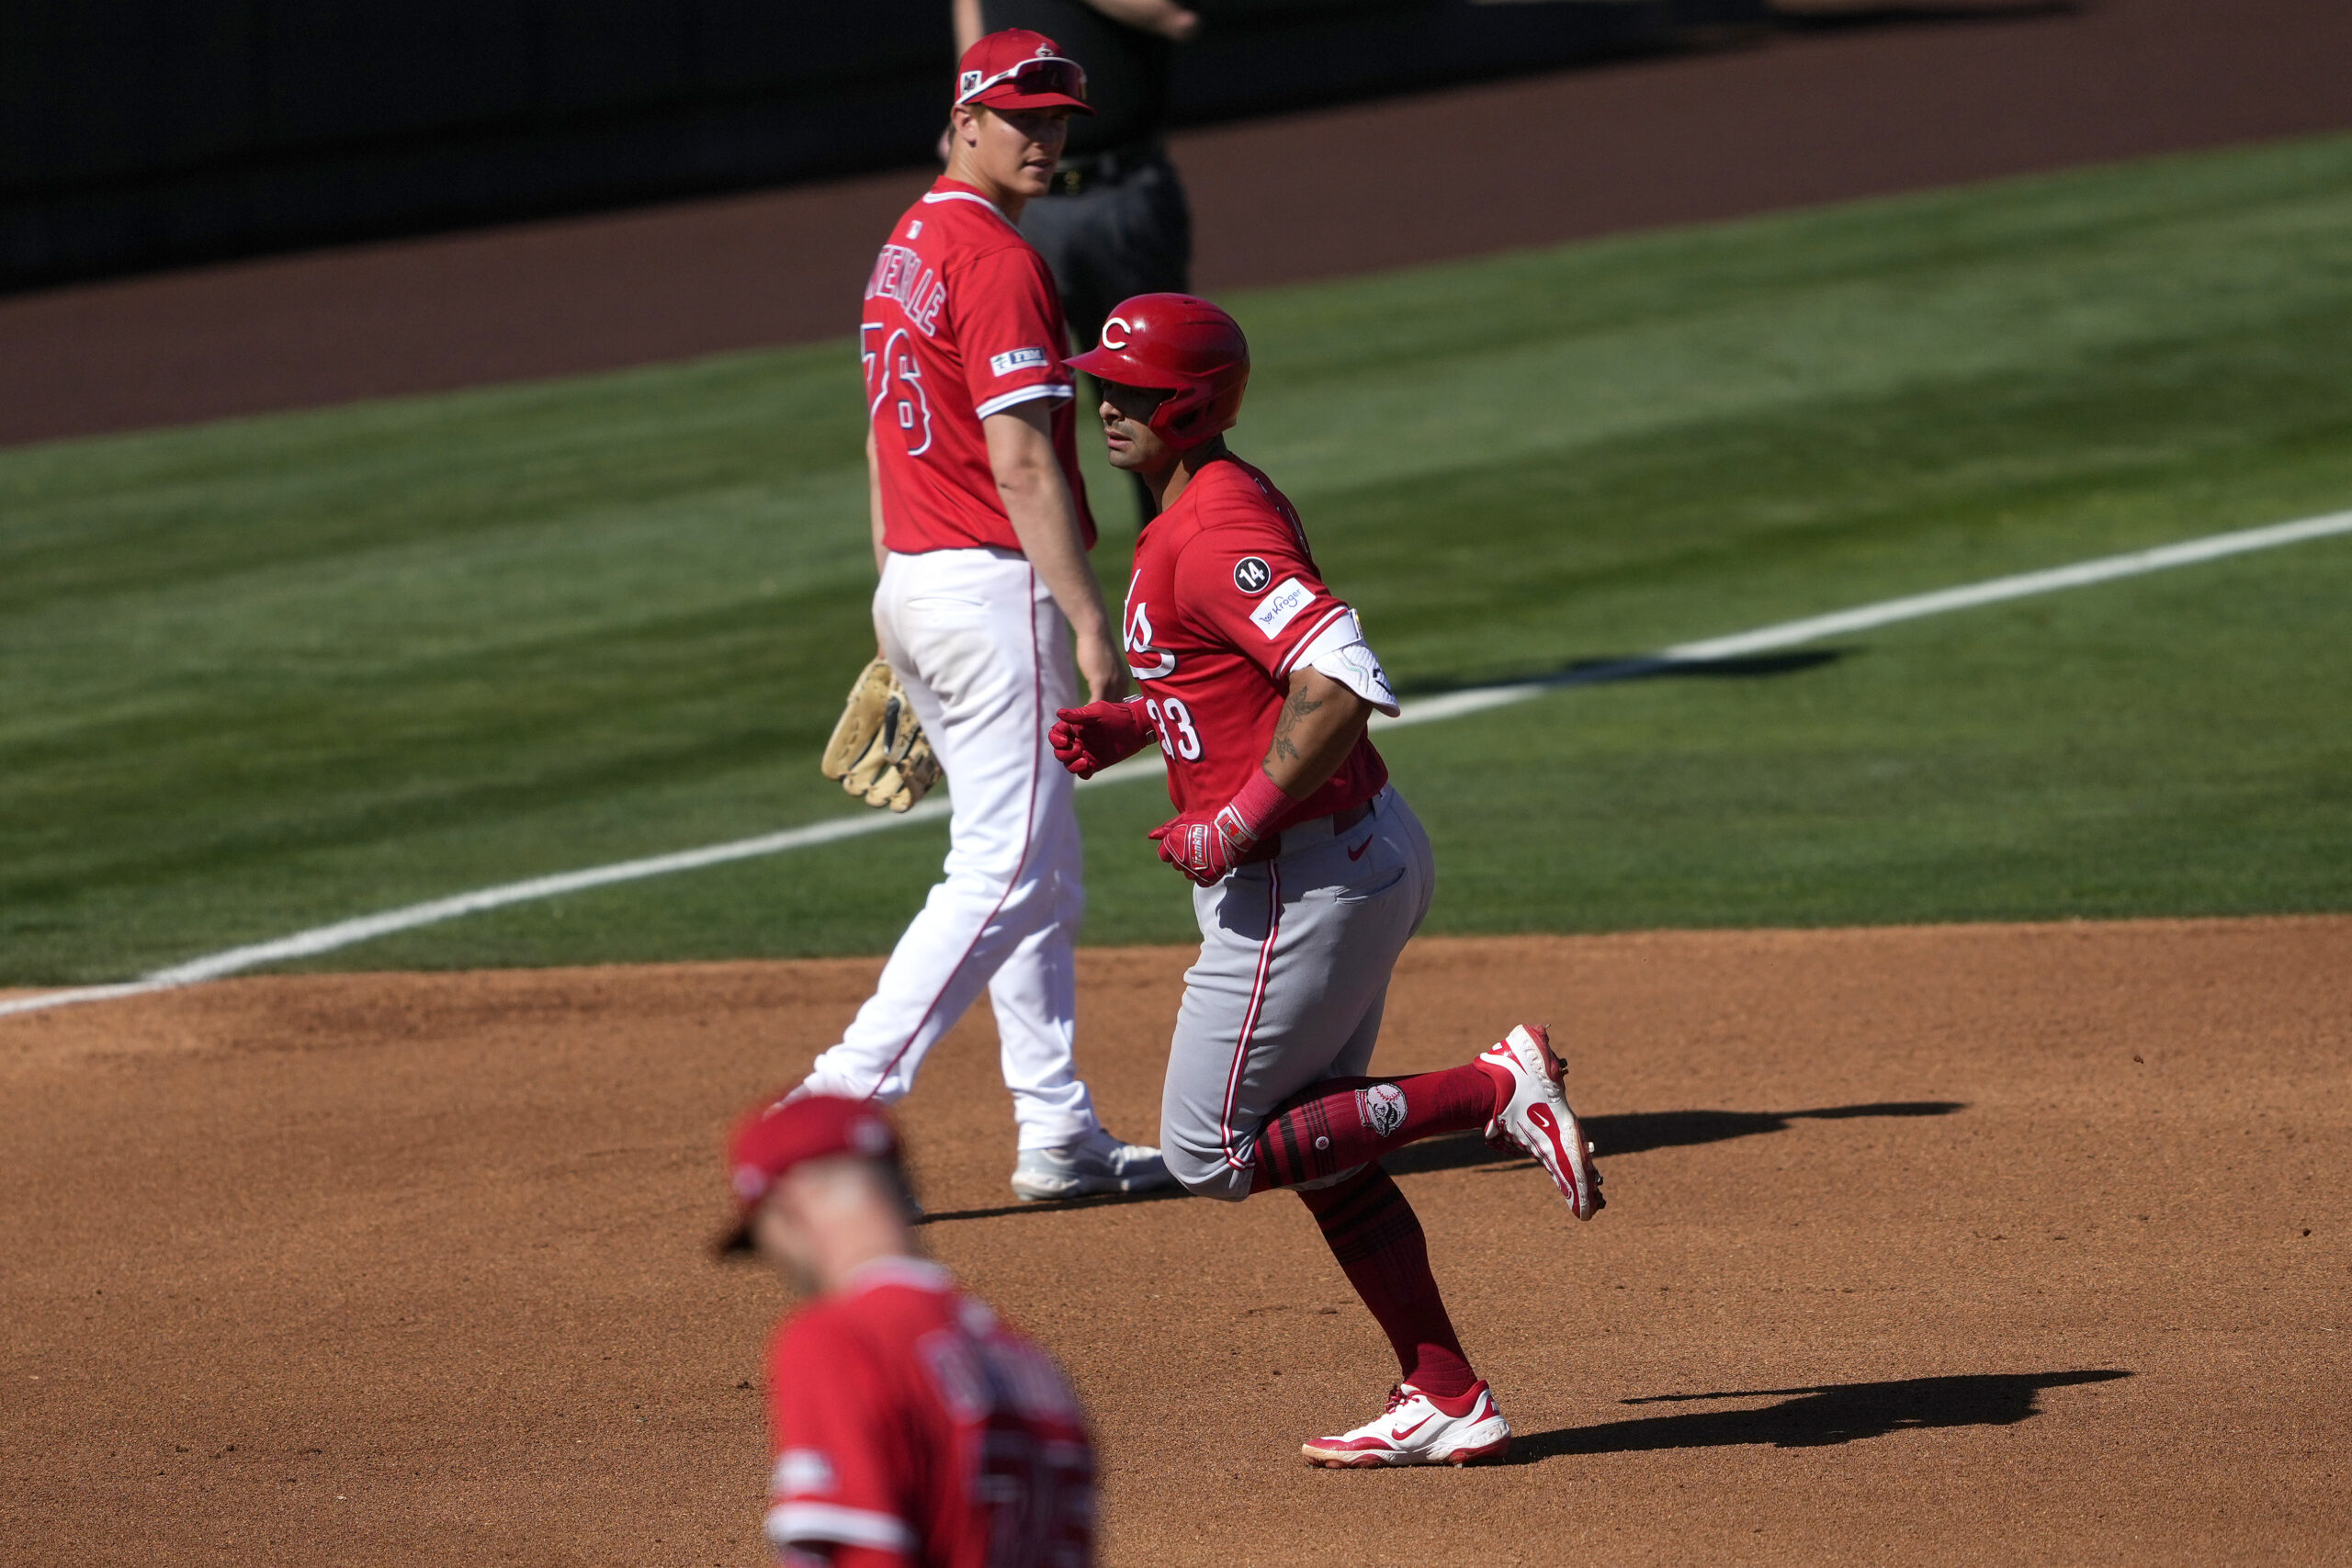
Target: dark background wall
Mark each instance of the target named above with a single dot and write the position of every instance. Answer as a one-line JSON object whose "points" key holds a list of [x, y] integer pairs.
{"points": [[142, 133]]}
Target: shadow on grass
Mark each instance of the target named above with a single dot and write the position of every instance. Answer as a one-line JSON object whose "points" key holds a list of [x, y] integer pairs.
{"points": [[1815, 1417], [1642, 667], [1857, 18], [1639, 1131]]}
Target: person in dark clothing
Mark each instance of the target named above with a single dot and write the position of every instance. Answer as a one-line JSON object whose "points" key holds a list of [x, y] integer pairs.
{"points": [[1114, 223]]}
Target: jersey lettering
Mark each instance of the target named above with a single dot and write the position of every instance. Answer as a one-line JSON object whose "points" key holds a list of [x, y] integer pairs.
{"points": [[960, 315], [899, 273], [1145, 662], [909, 1418]]}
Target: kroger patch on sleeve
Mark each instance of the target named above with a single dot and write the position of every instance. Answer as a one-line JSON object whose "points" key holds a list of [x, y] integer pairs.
{"points": [[1278, 609]]}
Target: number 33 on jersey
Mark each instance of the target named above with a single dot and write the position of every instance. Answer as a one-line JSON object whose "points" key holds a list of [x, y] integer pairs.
{"points": [[1225, 604]]}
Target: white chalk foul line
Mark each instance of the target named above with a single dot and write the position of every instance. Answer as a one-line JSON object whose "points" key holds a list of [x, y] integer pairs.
{"points": [[346, 934], [1453, 705]]}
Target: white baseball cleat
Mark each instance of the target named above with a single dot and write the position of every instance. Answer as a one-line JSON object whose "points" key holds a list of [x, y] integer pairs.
{"points": [[1413, 1430], [1537, 1119], [1095, 1164]]}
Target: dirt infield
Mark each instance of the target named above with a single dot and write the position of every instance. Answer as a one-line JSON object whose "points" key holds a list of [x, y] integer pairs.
{"points": [[1948, 1244], [1923, 95]]}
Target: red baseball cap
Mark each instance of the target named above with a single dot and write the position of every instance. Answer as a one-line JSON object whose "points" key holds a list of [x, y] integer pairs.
{"points": [[1017, 69], [778, 1135]]}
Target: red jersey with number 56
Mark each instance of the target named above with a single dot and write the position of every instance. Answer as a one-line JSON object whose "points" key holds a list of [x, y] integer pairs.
{"points": [[961, 322], [909, 1421], [1225, 602]]}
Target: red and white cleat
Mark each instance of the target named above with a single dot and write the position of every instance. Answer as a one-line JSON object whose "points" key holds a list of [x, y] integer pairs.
{"points": [[1536, 1117], [1413, 1430]]}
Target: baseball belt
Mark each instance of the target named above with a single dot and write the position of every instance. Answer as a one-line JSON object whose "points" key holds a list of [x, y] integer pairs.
{"points": [[1271, 846]]}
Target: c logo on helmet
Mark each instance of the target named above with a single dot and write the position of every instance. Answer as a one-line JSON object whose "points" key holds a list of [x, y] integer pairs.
{"points": [[1123, 329]]}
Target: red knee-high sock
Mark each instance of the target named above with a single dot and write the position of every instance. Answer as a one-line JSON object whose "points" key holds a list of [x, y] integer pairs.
{"points": [[1339, 1123], [1373, 1234]]}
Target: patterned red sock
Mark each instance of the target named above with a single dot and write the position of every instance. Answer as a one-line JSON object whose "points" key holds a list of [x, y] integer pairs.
{"points": [[1339, 1123], [1373, 1234]]}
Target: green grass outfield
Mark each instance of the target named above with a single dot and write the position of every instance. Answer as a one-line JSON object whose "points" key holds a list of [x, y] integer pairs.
{"points": [[267, 674]]}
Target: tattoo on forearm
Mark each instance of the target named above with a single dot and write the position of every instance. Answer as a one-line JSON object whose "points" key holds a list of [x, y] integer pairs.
{"points": [[1294, 711]]}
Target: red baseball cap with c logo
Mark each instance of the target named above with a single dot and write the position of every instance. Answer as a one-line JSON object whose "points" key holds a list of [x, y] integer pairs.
{"points": [[1017, 69]]}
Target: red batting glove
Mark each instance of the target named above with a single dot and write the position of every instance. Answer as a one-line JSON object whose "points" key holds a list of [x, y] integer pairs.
{"points": [[1206, 848], [1087, 741]]}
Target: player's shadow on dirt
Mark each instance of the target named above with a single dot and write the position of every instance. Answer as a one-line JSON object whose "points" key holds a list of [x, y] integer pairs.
{"points": [[1815, 1417], [1639, 1131], [1050, 1205], [1630, 1134], [1643, 667]]}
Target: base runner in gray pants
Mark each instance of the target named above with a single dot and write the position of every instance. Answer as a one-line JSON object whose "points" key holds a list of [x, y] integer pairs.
{"points": [[1310, 872]]}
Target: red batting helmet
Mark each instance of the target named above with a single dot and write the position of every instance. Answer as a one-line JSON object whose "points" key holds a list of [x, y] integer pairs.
{"points": [[1183, 345]]}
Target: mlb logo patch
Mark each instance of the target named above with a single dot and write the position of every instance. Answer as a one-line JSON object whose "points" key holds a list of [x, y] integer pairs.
{"points": [[1013, 359]]}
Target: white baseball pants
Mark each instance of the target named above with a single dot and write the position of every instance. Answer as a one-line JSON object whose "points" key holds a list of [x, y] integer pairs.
{"points": [[983, 652]]}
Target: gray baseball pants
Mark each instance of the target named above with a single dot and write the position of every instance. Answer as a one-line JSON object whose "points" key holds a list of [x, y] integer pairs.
{"points": [[1295, 955]]}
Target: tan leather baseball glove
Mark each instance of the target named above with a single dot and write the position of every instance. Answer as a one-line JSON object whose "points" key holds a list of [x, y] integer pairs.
{"points": [[879, 750]]}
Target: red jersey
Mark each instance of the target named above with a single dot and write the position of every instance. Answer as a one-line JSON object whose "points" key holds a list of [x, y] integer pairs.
{"points": [[908, 1420], [961, 322], [1225, 600]]}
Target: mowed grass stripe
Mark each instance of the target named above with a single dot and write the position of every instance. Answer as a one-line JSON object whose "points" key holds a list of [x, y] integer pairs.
{"points": [[261, 675], [1698, 658]]}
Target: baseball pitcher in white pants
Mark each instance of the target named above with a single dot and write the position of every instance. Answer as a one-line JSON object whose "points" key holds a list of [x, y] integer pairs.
{"points": [[984, 655], [983, 652], [980, 534]]}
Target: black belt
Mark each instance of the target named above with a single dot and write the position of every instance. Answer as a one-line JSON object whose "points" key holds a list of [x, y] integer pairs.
{"points": [[1271, 846], [1088, 170]]}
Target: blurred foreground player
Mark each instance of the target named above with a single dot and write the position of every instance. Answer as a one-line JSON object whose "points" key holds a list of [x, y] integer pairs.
{"points": [[980, 534], [1311, 873], [909, 1426]]}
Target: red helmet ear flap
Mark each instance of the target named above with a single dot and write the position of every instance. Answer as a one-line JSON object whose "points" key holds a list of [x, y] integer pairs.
{"points": [[1202, 409]]}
